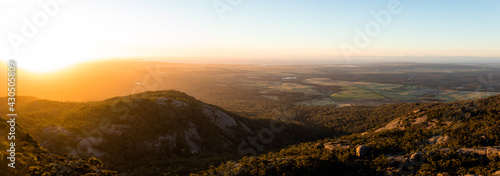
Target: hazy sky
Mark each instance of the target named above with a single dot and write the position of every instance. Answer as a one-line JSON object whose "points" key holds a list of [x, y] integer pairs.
{"points": [[280, 30]]}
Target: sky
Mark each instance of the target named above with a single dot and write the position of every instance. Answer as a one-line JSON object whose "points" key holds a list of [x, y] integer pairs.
{"points": [[246, 31]]}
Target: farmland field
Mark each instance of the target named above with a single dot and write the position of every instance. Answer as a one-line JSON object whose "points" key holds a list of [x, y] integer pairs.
{"points": [[355, 93]]}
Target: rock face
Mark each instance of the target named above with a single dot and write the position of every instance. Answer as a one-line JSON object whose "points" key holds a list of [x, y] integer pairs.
{"points": [[362, 151], [219, 118]]}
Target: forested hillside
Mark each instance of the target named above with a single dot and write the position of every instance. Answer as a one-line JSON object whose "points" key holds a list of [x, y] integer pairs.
{"points": [[457, 138], [354, 119], [32, 159]]}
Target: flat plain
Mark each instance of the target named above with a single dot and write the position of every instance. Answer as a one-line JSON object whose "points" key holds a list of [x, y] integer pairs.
{"points": [[253, 89]]}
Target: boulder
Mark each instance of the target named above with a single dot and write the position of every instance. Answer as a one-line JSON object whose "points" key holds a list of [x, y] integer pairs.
{"points": [[329, 146], [362, 151], [406, 168], [497, 173], [417, 159]]}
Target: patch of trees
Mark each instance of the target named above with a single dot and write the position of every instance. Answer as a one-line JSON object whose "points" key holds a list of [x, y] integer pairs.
{"points": [[354, 119]]}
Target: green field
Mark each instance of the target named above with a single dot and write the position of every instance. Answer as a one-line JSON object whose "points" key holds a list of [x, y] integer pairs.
{"points": [[282, 86], [402, 93], [355, 93]]}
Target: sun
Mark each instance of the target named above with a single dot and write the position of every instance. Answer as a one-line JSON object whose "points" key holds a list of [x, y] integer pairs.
{"points": [[43, 66], [61, 61], [50, 62]]}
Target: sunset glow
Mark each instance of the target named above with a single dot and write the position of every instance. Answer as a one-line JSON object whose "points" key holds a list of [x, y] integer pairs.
{"points": [[81, 31]]}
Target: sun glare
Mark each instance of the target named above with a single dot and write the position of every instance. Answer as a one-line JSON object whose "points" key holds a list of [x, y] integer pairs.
{"points": [[51, 62], [44, 66]]}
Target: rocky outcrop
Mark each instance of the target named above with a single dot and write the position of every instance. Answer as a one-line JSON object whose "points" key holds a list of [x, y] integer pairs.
{"points": [[406, 166], [418, 117], [338, 144], [189, 136], [395, 124], [493, 151], [484, 151], [177, 103], [436, 140]]}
